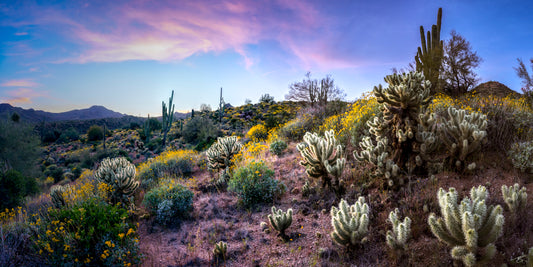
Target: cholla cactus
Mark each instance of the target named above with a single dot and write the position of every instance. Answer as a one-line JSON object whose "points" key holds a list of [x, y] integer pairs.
{"points": [[379, 156], [119, 173], [57, 194], [220, 250], [397, 238], [530, 258], [469, 227], [322, 156], [219, 155], [280, 220], [463, 134], [350, 223], [515, 197], [396, 129]]}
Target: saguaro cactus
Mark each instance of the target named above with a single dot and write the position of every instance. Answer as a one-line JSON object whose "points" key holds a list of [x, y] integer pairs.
{"points": [[322, 156], [219, 155], [119, 173], [350, 223], [515, 197], [463, 134], [168, 117], [471, 227], [397, 238], [280, 220], [429, 57]]}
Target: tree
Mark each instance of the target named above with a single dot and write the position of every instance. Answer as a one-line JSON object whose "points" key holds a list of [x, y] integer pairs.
{"points": [[266, 98], [458, 64], [19, 148], [527, 80], [95, 133], [314, 92]]}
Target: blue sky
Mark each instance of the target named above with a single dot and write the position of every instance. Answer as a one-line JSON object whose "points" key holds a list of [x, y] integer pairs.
{"points": [[130, 55]]}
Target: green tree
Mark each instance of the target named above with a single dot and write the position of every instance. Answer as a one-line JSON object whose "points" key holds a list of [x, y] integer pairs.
{"points": [[314, 92], [19, 147], [14, 187], [458, 64], [199, 129], [527, 80], [95, 133]]}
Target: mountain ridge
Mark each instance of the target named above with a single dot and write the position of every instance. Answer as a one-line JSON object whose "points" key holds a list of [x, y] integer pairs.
{"points": [[32, 115]]}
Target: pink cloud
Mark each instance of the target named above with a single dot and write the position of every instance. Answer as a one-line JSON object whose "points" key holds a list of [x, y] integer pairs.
{"points": [[22, 96], [19, 83]]}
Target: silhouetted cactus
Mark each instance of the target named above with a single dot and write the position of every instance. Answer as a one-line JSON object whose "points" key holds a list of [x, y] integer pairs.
{"points": [[515, 197], [280, 220], [429, 57], [397, 238], [470, 228], [219, 155], [350, 223], [322, 156], [168, 117], [119, 173], [463, 134]]}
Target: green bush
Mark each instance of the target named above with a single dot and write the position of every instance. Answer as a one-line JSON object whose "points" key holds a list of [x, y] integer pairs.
{"points": [[90, 233], [277, 147], [19, 147], [95, 133], [521, 155], [255, 183], [14, 187], [199, 130], [169, 201], [71, 134]]}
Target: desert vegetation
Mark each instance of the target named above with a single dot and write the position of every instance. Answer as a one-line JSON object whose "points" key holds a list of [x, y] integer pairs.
{"points": [[420, 171]]}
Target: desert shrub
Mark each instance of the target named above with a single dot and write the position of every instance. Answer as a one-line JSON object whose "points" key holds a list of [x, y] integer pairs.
{"points": [[169, 201], [14, 187], [16, 246], [249, 153], [69, 135], [95, 133], [154, 143], [90, 233], [258, 133], [277, 147], [199, 129], [521, 154], [255, 184], [19, 147], [173, 163], [85, 188], [55, 172]]}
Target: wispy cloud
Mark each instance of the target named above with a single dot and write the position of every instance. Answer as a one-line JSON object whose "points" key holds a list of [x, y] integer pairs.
{"points": [[21, 96], [175, 30], [19, 83]]}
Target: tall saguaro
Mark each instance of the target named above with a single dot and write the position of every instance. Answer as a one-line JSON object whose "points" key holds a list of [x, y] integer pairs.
{"points": [[220, 107], [168, 117], [429, 57]]}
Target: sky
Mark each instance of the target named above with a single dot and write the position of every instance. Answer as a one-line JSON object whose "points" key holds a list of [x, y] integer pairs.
{"points": [[129, 55]]}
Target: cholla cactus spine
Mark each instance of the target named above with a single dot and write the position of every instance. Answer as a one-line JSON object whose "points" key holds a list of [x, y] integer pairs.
{"points": [[220, 250], [397, 238], [322, 156], [219, 155], [280, 220], [468, 226], [119, 173], [463, 134], [515, 197], [350, 223]]}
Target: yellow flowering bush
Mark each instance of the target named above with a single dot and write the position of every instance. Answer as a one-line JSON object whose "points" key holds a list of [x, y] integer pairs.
{"points": [[257, 133], [173, 163], [250, 152]]}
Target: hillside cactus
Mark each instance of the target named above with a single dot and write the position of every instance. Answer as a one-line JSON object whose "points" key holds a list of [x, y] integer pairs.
{"points": [[219, 155], [57, 194], [220, 250], [429, 56], [168, 117], [463, 134], [280, 220], [350, 223], [379, 156], [322, 156], [470, 228], [119, 173], [397, 238], [515, 197]]}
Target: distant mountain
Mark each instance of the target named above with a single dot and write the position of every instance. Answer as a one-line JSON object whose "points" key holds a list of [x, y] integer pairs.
{"points": [[31, 115]]}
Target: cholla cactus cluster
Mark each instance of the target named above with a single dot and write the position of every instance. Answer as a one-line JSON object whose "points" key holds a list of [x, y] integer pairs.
{"points": [[322, 156], [471, 227], [219, 155], [350, 223], [521, 154], [397, 238], [280, 220], [119, 173], [515, 197], [57, 194], [463, 134], [220, 250], [396, 132]]}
